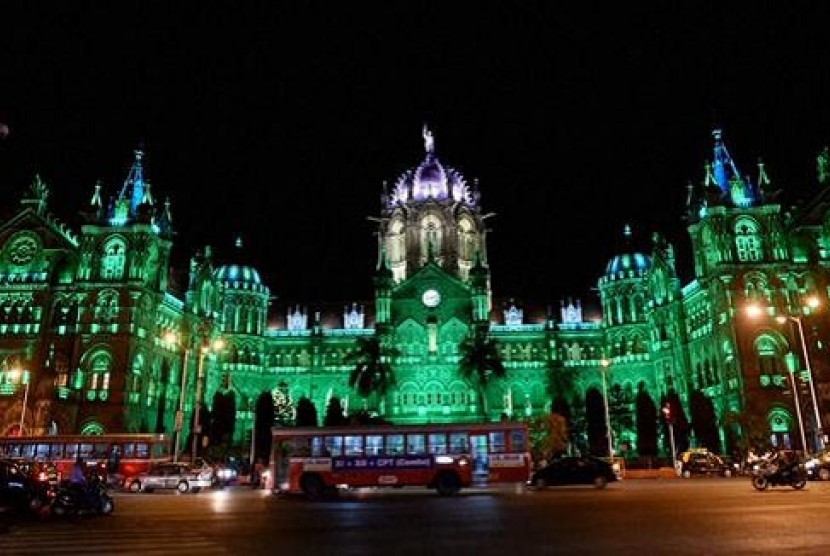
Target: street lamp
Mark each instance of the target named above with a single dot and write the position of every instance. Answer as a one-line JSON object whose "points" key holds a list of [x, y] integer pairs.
{"points": [[813, 303], [19, 375], [754, 311], [197, 427], [605, 363], [172, 338]]}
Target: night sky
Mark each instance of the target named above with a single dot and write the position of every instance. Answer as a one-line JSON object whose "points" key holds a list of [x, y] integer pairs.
{"points": [[279, 121]]}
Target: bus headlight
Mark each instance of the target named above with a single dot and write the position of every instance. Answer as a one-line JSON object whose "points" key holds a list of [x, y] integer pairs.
{"points": [[444, 459]]}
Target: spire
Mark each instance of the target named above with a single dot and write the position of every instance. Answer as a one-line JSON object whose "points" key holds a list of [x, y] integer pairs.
{"points": [[723, 164], [134, 184], [38, 193], [96, 202], [429, 140], [823, 165]]}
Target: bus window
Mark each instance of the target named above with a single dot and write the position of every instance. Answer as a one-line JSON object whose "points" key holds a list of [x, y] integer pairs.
{"points": [[100, 451], [353, 445], [42, 451], [497, 442], [71, 450], [57, 451], [518, 441], [27, 451], [142, 451], [374, 445], [394, 444], [318, 447], [128, 449], [87, 451], [334, 445], [416, 444], [160, 449], [438, 443], [459, 444]]}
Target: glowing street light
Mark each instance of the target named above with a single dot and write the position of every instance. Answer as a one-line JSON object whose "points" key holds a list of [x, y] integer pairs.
{"points": [[197, 427], [813, 303], [754, 311], [605, 363], [19, 376], [173, 339]]}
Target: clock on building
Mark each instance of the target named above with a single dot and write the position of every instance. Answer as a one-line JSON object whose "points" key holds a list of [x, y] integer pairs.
{"points": [[431, 298]]}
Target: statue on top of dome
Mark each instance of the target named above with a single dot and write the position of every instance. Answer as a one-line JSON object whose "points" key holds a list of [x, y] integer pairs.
{"points": [[429, 140]]}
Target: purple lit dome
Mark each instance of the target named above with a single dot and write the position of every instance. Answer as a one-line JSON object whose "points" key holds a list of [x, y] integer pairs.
{"points": [[431, 181]]}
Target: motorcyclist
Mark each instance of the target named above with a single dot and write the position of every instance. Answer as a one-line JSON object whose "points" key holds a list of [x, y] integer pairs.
{"points": [[78, 483]]}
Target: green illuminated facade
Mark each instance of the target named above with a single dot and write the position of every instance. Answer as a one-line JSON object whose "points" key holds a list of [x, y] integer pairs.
{"points": [[87, 315]]}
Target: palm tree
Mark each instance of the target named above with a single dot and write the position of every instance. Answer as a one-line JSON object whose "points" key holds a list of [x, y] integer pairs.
{"points": [[372, 373], [480, 361]]}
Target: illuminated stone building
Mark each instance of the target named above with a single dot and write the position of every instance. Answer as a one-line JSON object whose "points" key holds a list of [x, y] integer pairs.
{"points": [[88, 314]]}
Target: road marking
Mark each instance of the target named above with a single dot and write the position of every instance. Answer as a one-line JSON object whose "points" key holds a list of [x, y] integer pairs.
{"points": [[21, 542]]}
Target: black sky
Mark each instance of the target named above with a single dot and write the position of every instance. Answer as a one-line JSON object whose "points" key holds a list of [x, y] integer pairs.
{"points": [[279, 121]]}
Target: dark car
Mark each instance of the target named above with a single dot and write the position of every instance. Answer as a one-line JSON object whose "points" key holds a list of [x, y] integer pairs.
{"points": [[16, 489], [585, 470], [703, 462]]}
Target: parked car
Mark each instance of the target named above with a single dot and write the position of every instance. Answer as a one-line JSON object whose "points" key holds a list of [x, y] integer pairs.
{"points": [[585, 470], [818, 466], [700, 461], [180, 476]]}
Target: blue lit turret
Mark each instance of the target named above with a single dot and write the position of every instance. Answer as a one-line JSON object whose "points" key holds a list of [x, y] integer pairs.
{"points": [[244, 297]]}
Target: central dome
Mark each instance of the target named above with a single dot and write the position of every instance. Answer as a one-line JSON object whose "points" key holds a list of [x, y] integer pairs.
{"points": [[431, 180], [621, 265]]}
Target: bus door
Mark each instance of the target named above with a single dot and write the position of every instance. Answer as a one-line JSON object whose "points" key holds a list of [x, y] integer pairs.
{"points": [[478, 451]]}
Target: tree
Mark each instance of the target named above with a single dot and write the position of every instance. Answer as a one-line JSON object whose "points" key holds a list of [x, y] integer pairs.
{"points": [[480, 361], [679, 421], [748, 430], [283, 408], [548, 436], [646, 424], [334, 413], [306, 413], [372, 372], [264, 416], [704, 422], [223, 420]]}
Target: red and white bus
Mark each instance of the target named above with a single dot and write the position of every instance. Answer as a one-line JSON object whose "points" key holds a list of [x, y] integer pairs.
{"points": [[114, 455], [313, 460]]}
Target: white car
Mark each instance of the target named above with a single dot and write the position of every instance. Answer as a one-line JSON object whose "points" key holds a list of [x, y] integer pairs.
{"points": [[180, 476]]}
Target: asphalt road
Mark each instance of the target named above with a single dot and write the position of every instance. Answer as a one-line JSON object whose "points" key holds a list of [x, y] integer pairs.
{"points": [[673, 517]]}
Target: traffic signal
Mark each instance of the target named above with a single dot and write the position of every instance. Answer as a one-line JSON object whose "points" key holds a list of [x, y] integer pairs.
{"points": [[667, 413]]}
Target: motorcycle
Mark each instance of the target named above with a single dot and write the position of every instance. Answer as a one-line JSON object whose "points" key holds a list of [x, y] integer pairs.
{"points": [[91, 498], [775, 472]]}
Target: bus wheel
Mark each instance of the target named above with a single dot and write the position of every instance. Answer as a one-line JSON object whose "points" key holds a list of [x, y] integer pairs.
{"points": [[135, 486], [447, 484], [313, 486]]}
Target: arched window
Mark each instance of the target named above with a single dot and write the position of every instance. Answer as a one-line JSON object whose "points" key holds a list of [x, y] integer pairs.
{"points": [[747, 240], [112, 263], [430, 236], [106, 309], [771, 366], [98, 376], [93, 428]]}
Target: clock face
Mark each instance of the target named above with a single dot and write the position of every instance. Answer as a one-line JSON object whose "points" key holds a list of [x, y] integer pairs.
{"points": [[431, 298]]}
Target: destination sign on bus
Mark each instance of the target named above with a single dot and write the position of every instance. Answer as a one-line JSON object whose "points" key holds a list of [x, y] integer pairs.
{"points": [[381, 462]]}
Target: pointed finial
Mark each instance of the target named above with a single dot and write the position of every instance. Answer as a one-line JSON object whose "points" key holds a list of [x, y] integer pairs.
{"points": [[627, 231], [96, 196], [429, 140], [763, 178], [238, 242], [823, 165]]}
